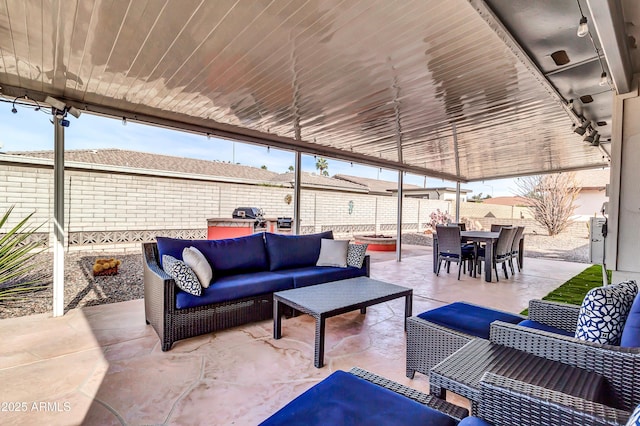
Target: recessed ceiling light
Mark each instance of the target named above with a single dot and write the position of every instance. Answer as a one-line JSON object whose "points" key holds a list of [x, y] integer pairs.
{"points": [[560, 57], [586, 99]]}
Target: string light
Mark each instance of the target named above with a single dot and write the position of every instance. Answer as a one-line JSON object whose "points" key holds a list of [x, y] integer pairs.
{"points": [[583, 27], [603, 79]]}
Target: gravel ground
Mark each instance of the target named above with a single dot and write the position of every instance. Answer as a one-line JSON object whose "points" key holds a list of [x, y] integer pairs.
{"points": [[83, 289]]}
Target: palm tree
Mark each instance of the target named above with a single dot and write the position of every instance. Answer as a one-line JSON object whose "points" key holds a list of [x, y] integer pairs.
{"points": [[291, 168], [322, 165], [16, 251]]}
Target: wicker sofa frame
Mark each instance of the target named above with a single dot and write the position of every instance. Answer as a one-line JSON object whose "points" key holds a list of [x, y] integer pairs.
{"points": [[429, 343], [508, 402], [174, 324], [620, 366]]}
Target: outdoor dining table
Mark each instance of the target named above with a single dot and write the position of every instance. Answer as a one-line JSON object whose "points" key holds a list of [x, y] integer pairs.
{"points": [[487, 237]]}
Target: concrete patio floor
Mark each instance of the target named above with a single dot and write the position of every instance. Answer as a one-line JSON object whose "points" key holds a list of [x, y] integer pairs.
{"points": [[103, 365]]}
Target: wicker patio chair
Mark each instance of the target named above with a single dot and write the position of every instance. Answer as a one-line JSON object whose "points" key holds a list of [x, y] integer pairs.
{"points": [[508, 402], [515, 248], [450, 249], [429, 343], [501, 252], [619, 365]]}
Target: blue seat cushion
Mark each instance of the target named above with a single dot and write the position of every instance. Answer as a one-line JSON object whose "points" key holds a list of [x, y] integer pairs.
{"points": [[294, 251], [468, 319], [235, 287], [312, 275], [631, 331], [474, 421], [544, 327], [344, 399], [467, 251], [226, 257]]}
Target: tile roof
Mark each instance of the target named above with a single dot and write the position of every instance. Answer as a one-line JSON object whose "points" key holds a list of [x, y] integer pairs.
{"points": [[149, 161], [375, 185], [319, 181]]}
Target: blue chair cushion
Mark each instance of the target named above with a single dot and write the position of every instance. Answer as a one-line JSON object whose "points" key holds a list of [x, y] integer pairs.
{"points": [[344, 399], [474, 421], [468, 319], [631, 331], [312, 275], [544, 327], [294, 251], [227, 257], [235, 287]]}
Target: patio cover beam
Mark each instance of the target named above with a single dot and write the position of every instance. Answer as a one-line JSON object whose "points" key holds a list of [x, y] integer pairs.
{"points": [[234, 133], [610, 26], [399, 221], [58, 218]]}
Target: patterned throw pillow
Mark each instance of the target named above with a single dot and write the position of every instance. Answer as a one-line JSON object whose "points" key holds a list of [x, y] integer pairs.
{"points": [[355, 254], [604, 312], [184, 276], [634, 420]]}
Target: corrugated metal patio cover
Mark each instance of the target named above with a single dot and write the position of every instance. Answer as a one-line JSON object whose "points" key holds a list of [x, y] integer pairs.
{"points": [[426, 84]]}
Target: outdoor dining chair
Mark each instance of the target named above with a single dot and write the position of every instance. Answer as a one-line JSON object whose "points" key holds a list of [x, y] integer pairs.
{"points": [[495, 227], [450, 249], [515, 249], [501, 252]]}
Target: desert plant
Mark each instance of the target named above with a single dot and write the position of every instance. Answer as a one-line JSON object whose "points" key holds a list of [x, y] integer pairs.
{"points": [[551, 199], [16, 254]]}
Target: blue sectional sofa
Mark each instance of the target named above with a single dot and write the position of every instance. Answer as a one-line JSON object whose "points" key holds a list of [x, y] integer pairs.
{"points": [[246, 273]]}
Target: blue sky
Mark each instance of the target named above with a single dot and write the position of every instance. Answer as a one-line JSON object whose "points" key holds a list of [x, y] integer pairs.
{"points": [[28, 130]]}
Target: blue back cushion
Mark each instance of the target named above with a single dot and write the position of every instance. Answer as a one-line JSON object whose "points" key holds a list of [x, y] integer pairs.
{"points": [[174, 246], [227, 257], [344, 399], [468, 319], [294, 251], [631, 330]]}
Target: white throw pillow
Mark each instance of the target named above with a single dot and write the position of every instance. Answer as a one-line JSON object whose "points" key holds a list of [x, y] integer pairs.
{"points": [[196, 261], [333, 253]]}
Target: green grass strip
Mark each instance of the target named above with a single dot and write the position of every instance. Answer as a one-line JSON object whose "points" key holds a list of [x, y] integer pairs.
{"points": [[574, 290]]}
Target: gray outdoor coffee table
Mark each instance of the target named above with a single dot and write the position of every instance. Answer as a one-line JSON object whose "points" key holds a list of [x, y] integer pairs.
{"points": [[334, 298]]}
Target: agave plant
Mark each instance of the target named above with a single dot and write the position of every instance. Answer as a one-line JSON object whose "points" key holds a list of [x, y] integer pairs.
{"points": [[17, 250]]}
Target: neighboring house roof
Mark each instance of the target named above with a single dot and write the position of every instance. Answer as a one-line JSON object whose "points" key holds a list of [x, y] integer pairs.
{"points": [[318, 181], [375, 186], [149, 161], [593, 179], [507, 201]]}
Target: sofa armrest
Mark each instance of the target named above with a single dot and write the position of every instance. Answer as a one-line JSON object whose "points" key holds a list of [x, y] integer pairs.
{"points": [[159, 291], [367, 264], [559, 315], [505, 401], [620, 366]]}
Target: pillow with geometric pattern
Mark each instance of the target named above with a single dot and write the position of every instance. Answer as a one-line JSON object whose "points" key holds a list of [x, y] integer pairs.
{"points": [[356, 254], [604, 311], [184, 276], [634, 420]]}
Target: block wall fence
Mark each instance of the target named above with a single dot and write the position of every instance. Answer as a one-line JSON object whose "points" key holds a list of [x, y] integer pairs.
{"points": [[107, 211]]}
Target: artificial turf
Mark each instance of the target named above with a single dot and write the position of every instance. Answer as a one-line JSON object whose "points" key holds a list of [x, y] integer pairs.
{"points": [[574, 290]]}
